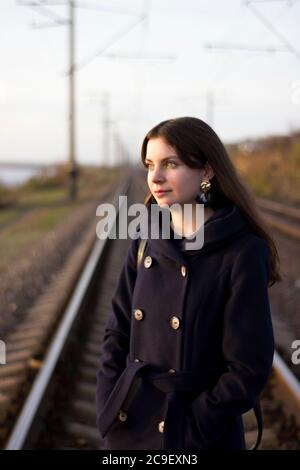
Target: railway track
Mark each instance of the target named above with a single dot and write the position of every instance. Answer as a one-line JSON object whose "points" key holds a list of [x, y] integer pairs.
{"points": [[57, 391], [285, 219], [28, 343]]}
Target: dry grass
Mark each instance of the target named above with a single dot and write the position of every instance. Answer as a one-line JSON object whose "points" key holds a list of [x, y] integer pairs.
{"points": [[273, 170]]}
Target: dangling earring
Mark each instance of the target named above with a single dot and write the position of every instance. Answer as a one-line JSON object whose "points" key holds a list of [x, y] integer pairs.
{"points": [[205, 195]]}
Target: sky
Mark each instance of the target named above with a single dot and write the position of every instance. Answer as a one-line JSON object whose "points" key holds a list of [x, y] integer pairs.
{"points": [[240, 92]]}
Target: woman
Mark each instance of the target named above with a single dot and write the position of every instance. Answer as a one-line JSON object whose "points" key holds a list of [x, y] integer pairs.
{"points": [[188, 345]]}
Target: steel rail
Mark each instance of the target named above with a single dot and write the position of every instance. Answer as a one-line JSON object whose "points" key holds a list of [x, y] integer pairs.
{"points": [[35, 396]]}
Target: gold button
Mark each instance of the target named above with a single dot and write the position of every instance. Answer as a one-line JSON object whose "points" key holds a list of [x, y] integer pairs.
{"points": [[175, 323], [183, 271], [147, 261], [161, 426], [122, 415], [138, 314], [171, 371]]}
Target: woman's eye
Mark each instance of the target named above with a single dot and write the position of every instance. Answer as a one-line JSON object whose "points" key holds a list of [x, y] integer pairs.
{"points": [[171, 164], [167, 165]]}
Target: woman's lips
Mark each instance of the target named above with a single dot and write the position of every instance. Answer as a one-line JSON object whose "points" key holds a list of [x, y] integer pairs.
{"points": [[160, 193]]}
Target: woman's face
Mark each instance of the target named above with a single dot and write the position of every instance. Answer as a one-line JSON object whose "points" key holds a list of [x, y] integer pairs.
{"points": [[166, 172]]}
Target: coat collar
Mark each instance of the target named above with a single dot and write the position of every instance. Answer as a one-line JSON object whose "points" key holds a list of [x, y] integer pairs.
{"points": [[225, 224]]}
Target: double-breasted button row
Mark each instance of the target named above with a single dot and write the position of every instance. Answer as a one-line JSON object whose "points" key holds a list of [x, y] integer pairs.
{"points": [[122, 416], [148, 263], [175, 321]]}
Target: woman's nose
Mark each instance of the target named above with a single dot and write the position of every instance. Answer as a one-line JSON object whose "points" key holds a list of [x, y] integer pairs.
{"points": [[158, 175]]}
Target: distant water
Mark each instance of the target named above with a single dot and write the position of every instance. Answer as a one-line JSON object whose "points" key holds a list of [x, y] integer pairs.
{"points": [[15, 176]]}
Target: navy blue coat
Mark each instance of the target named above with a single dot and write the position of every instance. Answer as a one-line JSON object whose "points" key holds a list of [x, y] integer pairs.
{"points": [[188, 344]]}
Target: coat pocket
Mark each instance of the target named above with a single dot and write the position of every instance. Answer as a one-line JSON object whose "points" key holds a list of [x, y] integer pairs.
{"points": [[231, 439], [144, 407], [192, 438]]}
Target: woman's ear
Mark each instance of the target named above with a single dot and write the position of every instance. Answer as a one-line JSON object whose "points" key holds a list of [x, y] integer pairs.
{"points": [[209, 172]]}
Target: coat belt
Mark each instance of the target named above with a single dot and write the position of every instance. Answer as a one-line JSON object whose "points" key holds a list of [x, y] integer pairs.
{"points": [[172, 384]]}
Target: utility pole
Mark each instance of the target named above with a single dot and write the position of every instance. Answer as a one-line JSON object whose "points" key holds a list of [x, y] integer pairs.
{"points": [[120, 151], [210, 102], [102, 100], [106, 128], [41, 7], [73, 170]]}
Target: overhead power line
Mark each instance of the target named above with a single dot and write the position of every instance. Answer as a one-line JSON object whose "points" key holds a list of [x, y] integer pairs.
{"points": [[244, 47], [40, 6], [271, 28]]}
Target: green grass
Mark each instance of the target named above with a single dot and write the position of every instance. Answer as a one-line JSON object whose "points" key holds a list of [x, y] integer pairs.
{"points": [[47, 208], [42, 197], [15, 240], [9, 215]]}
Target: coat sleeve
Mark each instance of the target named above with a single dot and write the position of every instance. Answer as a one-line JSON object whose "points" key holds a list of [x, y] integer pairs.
{"points": [[115, 344], [248, 346]]}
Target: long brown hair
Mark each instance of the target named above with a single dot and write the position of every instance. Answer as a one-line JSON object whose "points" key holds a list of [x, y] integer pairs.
{"points": [[197, 143]]}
